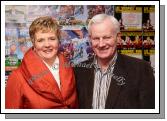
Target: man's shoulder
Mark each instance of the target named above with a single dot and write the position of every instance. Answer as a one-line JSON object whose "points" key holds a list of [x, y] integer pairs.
{"points": [[128, 61], [134, 66], [85, 64], [131, 60]]}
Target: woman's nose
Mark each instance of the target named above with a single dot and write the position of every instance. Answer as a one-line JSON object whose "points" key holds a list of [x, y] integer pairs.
{"points": [[46, 44]]}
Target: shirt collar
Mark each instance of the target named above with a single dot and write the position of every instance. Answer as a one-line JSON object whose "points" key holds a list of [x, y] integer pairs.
{"points": [[111, 63], [55, 64]]}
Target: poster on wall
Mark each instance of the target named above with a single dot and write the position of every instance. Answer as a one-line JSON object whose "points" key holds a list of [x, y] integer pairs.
{"points": [[11, 45], [99, 9], [130, 42], [149, 43], [130, 17], [75, 45], [15, 14], [70, 16], [16, 36], [149, 18], [35, 11], [17, 42]]}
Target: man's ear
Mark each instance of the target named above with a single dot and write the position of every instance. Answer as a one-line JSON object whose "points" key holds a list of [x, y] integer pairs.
{"points": [[89, 36], [118, 36], [90, 39]]}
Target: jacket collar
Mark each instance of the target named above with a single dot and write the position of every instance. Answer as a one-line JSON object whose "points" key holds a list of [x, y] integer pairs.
{"points": [[39, 77]]}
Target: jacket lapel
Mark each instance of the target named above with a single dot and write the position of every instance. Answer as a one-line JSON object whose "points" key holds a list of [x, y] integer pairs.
{"points": [[117, 81]]}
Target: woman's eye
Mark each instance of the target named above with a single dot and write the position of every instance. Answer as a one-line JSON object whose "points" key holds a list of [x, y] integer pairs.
{"points": [[40, 40], [52, 38]]}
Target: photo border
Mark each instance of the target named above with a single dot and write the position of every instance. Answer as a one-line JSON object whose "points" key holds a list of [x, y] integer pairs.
{"points": [[77, 111]]}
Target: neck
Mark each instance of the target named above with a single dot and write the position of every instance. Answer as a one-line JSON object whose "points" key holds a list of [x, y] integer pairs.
{"points": [[103, 63], [50, 62]]}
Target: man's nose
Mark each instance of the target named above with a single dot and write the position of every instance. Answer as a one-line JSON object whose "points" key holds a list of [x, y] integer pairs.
{"points": [[101, 42]]}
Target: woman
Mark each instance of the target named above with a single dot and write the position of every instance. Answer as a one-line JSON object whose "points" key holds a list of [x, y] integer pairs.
{"points": [[42, 80]]}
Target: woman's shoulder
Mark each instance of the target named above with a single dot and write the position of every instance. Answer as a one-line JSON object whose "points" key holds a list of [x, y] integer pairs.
{"points": [[15, 78], [15, 73], [62, 58]]}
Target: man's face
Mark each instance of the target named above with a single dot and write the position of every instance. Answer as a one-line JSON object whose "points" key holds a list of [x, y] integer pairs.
{"points": [[104, 39], [46, 45]]}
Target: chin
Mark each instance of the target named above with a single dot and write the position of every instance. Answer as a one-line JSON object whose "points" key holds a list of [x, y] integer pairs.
{"points": [[106, 56], [103, 57], [48, 56]]}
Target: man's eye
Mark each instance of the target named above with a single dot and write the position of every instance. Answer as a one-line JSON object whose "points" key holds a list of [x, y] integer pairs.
{"points": [[107, 37], [96, 39]]}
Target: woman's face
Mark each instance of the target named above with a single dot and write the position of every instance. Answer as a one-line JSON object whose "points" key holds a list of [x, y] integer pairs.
{"points": [[46, 45]]}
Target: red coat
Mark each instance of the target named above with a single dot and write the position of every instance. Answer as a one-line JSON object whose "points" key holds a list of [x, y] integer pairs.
{"points": [[33, 86]]}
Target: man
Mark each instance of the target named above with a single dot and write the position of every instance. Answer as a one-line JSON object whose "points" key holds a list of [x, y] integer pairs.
{"points": [[111, 80]]}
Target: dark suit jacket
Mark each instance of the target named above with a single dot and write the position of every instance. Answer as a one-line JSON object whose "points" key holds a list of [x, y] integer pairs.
{"points": [[132, 85]]}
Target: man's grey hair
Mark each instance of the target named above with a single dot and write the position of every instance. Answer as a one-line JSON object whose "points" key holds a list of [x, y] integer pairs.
{"points": [[100, 18]]}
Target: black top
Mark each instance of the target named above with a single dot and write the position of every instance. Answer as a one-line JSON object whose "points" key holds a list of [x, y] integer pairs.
{"points": [[132, 85]]}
